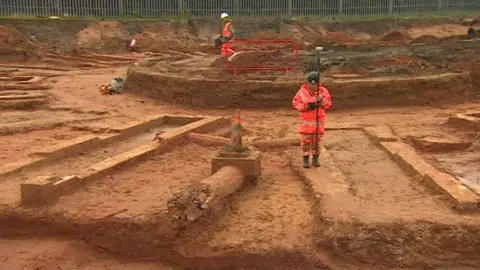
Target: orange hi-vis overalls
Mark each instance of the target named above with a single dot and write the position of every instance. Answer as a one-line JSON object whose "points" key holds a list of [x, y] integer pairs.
{"points": [[308, 125], [226, 50]]}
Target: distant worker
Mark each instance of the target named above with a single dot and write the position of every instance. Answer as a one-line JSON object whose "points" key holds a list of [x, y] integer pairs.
{"points": [[228, 33], [311, 98], [131, 44]]}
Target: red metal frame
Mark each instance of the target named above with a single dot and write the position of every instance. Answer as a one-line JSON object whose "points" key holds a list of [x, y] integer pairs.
{"points": [[285, 68]]}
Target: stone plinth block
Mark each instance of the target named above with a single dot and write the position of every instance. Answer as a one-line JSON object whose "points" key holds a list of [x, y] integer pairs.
{"points": [[39, 190]]}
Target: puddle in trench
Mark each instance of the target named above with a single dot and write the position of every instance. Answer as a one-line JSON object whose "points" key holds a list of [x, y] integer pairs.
{"points": [[464, 166]]}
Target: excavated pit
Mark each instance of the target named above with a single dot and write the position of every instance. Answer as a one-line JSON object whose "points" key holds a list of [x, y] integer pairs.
{"points": [[272, 220], [387, 220], [276, 223], [261, 93], [455, 152]]}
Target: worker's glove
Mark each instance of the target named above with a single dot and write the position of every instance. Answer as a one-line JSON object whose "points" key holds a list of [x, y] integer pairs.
{"points": [[319, 98], [218, 42], [311, 106]]}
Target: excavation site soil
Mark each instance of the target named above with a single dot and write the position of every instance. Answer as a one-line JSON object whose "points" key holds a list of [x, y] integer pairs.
{"points": [[143, 178]]}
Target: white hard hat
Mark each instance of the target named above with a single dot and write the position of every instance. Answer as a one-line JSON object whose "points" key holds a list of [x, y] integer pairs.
{"points": [[224, 15]]}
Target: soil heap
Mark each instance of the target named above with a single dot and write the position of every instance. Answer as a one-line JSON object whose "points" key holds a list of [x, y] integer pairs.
{"points": [[16, 46]]}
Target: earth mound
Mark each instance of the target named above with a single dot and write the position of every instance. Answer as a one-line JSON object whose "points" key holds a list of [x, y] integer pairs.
{"points": [[161, 37], [109, 36], [16, 46], [395, 37], [425, 39]]}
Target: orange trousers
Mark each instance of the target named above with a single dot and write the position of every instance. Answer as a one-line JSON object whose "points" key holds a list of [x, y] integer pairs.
{"points": [[307, 143], [226, 50]]}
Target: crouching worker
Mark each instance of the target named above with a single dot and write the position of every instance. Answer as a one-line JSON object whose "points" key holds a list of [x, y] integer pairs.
{"points": [[131, 44], [311, 95]]}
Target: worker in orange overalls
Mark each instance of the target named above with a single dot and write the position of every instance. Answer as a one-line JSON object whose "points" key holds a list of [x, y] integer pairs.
{"points": [[309, 97], [228, 33]]}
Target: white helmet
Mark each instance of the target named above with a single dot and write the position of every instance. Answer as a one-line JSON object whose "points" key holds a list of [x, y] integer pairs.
{"points": [[224, 15]]}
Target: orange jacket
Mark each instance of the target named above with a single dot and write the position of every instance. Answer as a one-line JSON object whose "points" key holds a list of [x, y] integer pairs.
{"points": [[308, 118]]}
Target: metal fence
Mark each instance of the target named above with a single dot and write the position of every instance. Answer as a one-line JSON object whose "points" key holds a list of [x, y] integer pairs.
{"points": [[254, 8]]}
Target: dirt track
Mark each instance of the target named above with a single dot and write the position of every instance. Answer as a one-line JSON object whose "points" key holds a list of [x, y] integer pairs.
{"points": [[383, 217]]}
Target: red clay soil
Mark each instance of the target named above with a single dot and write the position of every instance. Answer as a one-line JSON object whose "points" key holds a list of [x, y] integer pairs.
{"points": [[9, 36], [266, 91], [267, 223], [272, 214], [108, 36], [474, 69], [64, 253], [111, 36], [18, 146], [425, 39], [261, 59], [264, 46], [143, 189], [475, 75], [276, 213], [265, 35], [400, 61], [414, 221], [15, 46], [249, 59], [395, 37], [220, 63], [158, 38], [440, 30], [387, 219], [338, 37]]}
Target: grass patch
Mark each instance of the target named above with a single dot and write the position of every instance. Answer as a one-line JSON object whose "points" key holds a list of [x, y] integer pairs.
{"points": [[399, 17]]}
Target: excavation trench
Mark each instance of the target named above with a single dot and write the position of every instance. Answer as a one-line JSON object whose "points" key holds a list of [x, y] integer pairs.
{"points": [[144, 242], [125, 212], [261, 92], [271, 224], [79, 160]]}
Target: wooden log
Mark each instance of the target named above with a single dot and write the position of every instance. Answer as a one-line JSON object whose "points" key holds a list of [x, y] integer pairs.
{"points": [[280, 142], [198, 199], [205, 139]]}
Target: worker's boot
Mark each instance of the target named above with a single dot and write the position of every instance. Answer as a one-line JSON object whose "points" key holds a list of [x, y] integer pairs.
{"points": [[315, 161], [306, 162]]}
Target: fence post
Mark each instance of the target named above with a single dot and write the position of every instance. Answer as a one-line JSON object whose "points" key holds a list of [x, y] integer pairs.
{"points": [[180, 7], [237, 7], [439, 5], [57, 7], [290, 8], [120, 8], [390, 7], [340, 7]]}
